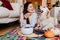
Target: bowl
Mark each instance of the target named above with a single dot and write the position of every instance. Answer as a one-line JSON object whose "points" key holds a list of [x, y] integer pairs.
{"points": [[28, 29], [39, 31]]}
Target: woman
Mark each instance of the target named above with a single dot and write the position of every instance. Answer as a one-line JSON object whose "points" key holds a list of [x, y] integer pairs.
{"points": [[45, 20], [28, 16]]}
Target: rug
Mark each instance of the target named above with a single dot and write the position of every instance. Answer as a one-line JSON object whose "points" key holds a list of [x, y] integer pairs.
{"points": [[13, 35]]}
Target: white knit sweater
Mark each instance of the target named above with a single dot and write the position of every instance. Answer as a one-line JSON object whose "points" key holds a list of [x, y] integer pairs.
{"points": [[32, 18]]}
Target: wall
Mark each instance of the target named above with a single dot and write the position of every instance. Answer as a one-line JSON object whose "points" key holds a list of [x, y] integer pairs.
{"points": [[21, 4], [44, 2], [54, 1], [12, 1]]}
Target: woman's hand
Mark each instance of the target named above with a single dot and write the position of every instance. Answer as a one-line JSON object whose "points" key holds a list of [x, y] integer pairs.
{"points": [[37, 26], [27, 15]]}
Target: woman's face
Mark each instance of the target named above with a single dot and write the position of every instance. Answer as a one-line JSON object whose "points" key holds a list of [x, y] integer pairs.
{"points": [[30, 8]]}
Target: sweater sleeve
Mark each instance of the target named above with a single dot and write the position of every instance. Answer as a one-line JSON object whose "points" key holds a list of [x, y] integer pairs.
{"points": [[34, 19], [21, 20]]}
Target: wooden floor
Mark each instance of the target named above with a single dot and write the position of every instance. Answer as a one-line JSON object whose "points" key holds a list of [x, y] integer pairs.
{"points": [[4, 30], [7, 28]]}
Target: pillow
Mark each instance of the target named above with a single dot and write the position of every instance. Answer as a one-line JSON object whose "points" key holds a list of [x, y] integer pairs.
{"points": [[4, 12], [6, 3]]}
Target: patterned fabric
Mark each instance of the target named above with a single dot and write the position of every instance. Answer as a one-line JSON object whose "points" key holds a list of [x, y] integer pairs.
{"points": [[12, 35]]}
